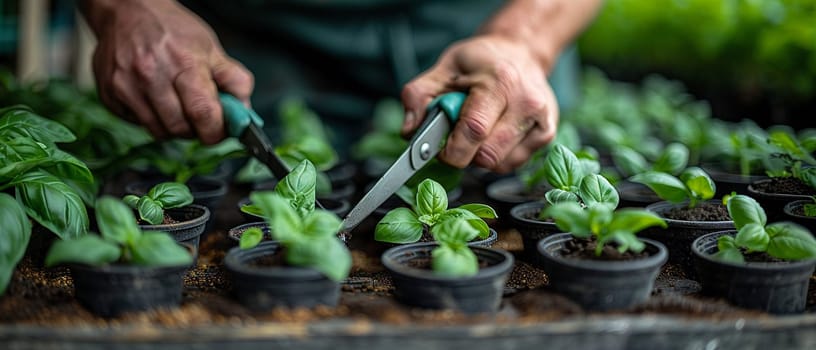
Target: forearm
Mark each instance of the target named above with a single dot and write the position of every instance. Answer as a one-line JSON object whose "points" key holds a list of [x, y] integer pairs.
{"points": [[546, 26]]}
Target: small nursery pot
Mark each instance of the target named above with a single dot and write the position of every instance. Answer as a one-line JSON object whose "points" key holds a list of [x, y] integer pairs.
{"points": [[525, 220], [791, 209], [773, 203], [601, 285], [206, 191], [728, 182], [508, 192], [236, 232], [111, 290], [422, 288], [635, 195], [679, 234], [339, 207], [775, 287], [263, 288], [192, 220]]}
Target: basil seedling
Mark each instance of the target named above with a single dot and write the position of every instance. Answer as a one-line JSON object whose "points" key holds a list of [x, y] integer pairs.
{"points": [[783, 240], [694, 185], [163, 196]]}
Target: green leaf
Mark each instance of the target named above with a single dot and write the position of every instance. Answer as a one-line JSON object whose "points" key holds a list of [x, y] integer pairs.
{"points": [[664, 185], [19, 121], [589, 166], [699, 183], [171, 195], [449, 262], [745, 210], [596, 189], [284, 222], [408, 195], [455, 230], [131, 201], [477, 223], [73, 172], [89, 249], [52, 203], [252, 209], [14, 237], [150, 210], [116, 221], [808, 176], [431, 198], [159, 249], [600, 216], [481, 210], [673, 159], [321, 223], [327, 255], [563, 170], [787, 142], [635, 220], [298, 187], [556, 195], [753, 237], [728, 251], [400, 225], [250, 238], [626, 241], [570, 217], [790, 241], [628, 161], [19, 155]]}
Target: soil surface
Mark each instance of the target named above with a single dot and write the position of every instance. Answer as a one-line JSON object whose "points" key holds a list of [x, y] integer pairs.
{"points": [[584, 249], [702, 212], [165, 221], [45, 296], [784, 185]]}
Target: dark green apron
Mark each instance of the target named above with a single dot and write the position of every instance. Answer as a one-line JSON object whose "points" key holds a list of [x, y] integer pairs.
{"points": [[340, 56]]}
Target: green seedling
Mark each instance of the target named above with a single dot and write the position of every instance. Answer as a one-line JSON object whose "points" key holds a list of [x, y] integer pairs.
{"points": [[694, 185], [559, 167], [166, 195], [783, 240], [121, 241], [672, 160], [793, 159], [298, 188], [810, 208], [604, 223]]}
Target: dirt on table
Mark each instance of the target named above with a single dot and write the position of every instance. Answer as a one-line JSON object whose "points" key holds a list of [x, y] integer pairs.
{"points": [[702, 212]]}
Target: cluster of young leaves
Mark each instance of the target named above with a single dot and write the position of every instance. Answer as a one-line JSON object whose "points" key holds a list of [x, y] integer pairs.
{"points": [[183, 159], [533, 173], [451, 228], [304, 137], [574, 180], [783, 240], [604, 223], [121, 241], [163, 196], [693, 185], [794, 158], [740, 148], [308, 235], [672, 160]]}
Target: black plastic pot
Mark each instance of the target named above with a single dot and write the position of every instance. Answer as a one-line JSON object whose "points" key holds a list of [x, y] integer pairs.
{"points": [[192, 220], [206, 191], [601, 285], [236, 232], [773, 203], [679, 234], [728, 182], [263, 288], [508, 192], [635, 195], [808, 222], [779, 288], [422, 288], [531, 229], [339, 207], [111, 290]]}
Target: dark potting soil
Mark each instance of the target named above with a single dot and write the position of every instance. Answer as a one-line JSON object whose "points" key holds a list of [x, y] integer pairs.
{"points": [[800, 210], [535, 217], [784, 185], [425, 263], [584, 249], [702, 212], [166, 221], [760, 257]]}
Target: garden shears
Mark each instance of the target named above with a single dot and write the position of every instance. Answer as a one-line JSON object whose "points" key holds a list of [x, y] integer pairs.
{"points": [[429, 140], [245, 124]]}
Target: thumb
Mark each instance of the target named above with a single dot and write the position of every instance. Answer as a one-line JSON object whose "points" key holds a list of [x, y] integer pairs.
{"points": [[232, 77], [418, 93]]}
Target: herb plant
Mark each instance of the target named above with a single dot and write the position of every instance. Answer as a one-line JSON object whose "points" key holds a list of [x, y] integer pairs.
{"points": [[783, 240], [793, 159], [163, 196], [307, 235], [672, 160], [183, 159], [559, 167], [121, 241], [693, 185], [810, 208], [13, 238], [429, 211], [604, 224]]}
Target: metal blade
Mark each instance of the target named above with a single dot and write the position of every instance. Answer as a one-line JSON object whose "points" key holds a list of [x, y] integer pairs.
{"points": [[390, 182]]}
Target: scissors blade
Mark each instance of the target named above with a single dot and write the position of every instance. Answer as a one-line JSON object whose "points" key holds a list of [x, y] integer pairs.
{"points": [[389, 183]]}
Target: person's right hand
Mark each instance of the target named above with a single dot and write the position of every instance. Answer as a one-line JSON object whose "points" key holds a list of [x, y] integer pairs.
{"points": [[159, 64]]}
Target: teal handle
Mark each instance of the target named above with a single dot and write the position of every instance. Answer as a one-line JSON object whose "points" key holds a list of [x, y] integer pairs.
{"points": [[236, 115], [450, 103]]}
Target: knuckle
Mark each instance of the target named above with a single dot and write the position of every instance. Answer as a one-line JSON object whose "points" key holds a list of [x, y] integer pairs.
{"points": [[533, 104], [410, 91], [145, 67], [488, 156], [506, 74], [201, 109], [476, 127]]}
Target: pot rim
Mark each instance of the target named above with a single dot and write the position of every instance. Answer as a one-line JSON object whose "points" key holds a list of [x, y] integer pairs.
{"points": [[788, 196], [261, 224], [199, 220], [665, 205], [236, 261], [515, 213], [788, 209], [657, 259], [388, 259], [766, 266]]}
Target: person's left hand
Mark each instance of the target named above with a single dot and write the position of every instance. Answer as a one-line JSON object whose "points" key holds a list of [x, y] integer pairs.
{"points": [[510, 111]]}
